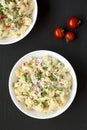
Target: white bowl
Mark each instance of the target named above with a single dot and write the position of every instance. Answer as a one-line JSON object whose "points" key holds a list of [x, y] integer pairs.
{"points": [[6, 41], [32, 113]]}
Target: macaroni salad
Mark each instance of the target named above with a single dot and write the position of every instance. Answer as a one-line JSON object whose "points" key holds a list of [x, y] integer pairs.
{"points": [[43, 84], [15, 17]]}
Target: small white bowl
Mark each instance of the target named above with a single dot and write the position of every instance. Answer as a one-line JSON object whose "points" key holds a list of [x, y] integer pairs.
{"points": [[32, 113], [6, 41]]}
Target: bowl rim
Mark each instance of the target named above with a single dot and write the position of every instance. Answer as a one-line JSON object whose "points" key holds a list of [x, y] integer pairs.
{"points": [[27, 31], [68, 103]]}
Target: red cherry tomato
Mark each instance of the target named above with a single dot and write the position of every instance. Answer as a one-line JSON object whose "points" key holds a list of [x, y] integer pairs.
{"points": [[73, 22], [59, 32], [8, 25], [2, 17], [21, 23], [69, 36]]}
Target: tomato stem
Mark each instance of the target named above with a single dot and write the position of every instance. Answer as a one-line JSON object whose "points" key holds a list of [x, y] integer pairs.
{"points": [[79, 22]]}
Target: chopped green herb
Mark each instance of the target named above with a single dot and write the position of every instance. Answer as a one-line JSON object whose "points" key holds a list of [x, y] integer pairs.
{"points": [[60, 63], [8, 0], [52, 78], [6, 8], [1, 8], [25, 94], [56, 95], [45, 67], [45, 84], [41, 89], [39, 75], [1, 5], [26, 105], [14, 8], [36, 102], [0, 22], [26, 78], [45, 103], [3, 30], [17, 24], [58, 88], [44, 93]]}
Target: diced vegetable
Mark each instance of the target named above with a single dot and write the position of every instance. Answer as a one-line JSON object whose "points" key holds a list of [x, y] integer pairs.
{"points": [[36, 102]]}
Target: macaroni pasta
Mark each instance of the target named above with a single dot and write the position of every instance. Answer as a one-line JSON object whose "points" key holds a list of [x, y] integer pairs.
{"points": [[43, 84], [15, 17]]}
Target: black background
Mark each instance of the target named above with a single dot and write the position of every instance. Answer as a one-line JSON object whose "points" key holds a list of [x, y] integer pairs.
{"points": [[51, 13]]}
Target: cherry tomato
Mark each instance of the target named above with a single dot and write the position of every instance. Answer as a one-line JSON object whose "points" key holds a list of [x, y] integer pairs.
{"points": [[69, 36], [2, 17], [73, 22], [8, 25], [21, 23], [59, 32]]}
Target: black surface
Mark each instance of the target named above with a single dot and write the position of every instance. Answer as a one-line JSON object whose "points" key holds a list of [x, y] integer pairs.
{"points": [[51, 13]]}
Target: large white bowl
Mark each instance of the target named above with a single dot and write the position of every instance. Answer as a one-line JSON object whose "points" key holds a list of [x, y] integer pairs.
{"points": [[6, 41], [32, 113]]}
